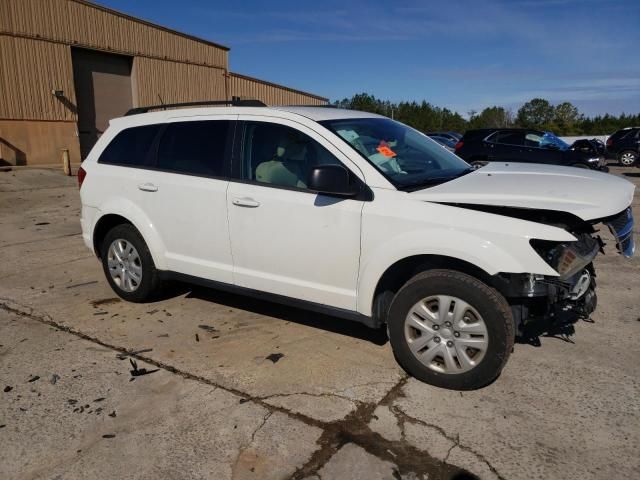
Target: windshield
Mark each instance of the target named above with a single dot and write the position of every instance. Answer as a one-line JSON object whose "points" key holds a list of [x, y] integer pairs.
{"points": [[550, 139], [406, 157]]}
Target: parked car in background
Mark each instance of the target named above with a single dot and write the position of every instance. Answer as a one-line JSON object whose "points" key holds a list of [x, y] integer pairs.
{"points": [[481, 146], [445, 142], [351, 214], [624, 146], [455, 136], [593, 146]]}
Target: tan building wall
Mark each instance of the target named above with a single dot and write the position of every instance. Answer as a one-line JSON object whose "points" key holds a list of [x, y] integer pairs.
{"points": [[29, 71], [30, 142], [80, 23], [175, 82], [270, 93], [36, 41]]}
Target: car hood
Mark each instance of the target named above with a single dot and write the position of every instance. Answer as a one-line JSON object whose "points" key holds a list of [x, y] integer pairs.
{"points": [[584, 193]]}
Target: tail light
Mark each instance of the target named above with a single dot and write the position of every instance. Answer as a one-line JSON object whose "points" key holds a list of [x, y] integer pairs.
{"points": [[82, 174], [459, 145], [609, 142]]}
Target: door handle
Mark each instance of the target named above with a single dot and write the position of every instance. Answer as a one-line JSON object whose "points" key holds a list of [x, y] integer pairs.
{"points": [[147, 187], [245, 202]]}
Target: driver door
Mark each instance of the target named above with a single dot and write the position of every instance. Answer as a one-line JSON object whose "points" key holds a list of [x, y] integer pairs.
{"points": [[285, 239]]}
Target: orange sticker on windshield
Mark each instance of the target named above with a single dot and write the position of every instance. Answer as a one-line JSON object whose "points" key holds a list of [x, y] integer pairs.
{"points": [[386, 151]]}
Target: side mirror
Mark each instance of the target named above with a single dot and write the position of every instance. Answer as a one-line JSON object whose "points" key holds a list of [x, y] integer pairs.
{"points": [[332, 180]]}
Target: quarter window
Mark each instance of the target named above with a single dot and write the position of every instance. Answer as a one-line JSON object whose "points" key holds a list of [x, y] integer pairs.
{"points": [[196, 148], [131, 147], [280, 155]]}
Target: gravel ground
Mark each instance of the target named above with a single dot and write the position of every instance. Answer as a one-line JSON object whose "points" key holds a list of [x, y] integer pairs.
{"points": [[227, 387]]}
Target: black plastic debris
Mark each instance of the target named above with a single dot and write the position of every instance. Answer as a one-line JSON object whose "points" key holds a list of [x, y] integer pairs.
{"points": [[34, 378], [7, 389], [42, 223], [109, 435], [122, 356], [113, 414], [208, 328], [138, 372], [99, 399], [197, 337], [54, 378], [274, 357]]}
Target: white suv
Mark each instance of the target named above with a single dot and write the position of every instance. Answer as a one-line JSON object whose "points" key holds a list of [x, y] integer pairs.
{"points": [[355, 215]]}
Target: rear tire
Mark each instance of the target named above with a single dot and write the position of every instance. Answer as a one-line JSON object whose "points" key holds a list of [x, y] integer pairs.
{"points": [[465, 330], [128, 265], [628, 158]]}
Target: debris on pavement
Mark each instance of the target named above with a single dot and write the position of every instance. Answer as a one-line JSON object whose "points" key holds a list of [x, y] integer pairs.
{"points": [[208, 328], [7, 389], [137, 372], [109, 435], [274, 357], [54, 378], [33, 379]]}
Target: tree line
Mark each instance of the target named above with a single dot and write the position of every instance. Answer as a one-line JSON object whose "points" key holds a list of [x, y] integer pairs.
{"points": [[562, 119]]}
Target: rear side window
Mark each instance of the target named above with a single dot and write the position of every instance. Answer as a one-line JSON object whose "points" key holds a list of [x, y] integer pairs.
{"points": [[509, 138], [131, 147], [196, 148]]}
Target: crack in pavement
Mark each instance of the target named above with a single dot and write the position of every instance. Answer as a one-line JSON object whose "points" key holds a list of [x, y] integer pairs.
{"points": [[353, 428], [243, 448], [403, 417]]}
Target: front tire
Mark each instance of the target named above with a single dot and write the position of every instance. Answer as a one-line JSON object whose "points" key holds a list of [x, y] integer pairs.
{"points": [[451, 330], [128, 265]]}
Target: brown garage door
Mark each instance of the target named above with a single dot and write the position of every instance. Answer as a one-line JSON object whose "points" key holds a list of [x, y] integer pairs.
{"points": [[103, 91]]}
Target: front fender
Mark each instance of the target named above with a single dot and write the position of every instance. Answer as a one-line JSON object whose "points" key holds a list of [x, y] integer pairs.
{"points": [[503, 253], [134, 214]]}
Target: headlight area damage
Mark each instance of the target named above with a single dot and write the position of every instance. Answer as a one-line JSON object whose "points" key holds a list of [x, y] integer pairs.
{"points": [[570, 295]]}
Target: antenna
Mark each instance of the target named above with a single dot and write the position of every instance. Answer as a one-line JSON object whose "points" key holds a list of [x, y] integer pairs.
{"points": [[161, 101]]}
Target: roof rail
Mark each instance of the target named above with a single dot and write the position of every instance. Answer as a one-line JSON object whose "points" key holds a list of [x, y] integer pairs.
{"points": [[231, 103]]}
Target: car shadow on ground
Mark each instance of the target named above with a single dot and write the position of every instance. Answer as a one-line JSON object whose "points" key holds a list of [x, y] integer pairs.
{"points": [[282, 312]]}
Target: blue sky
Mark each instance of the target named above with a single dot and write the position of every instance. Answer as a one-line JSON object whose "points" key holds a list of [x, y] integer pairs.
{"points": [[464, 55]]}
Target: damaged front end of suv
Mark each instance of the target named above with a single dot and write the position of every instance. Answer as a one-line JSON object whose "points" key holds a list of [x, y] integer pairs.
{"points": [[572, 294]]}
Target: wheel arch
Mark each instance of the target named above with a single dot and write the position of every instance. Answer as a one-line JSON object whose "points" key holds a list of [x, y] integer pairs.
{"points": [[401, 271], [129, 214]]}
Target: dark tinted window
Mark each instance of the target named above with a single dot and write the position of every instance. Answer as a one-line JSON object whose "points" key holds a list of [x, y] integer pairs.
{"points": [[281, 155], [131, 147], [509, 138], [196, 148]]}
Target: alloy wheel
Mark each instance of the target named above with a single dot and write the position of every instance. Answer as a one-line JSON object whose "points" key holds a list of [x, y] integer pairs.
{"points": [[627, 158]]}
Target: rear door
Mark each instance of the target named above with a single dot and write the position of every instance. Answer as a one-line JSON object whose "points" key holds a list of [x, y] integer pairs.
{"points": [[508, 146], [184, 195]]}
